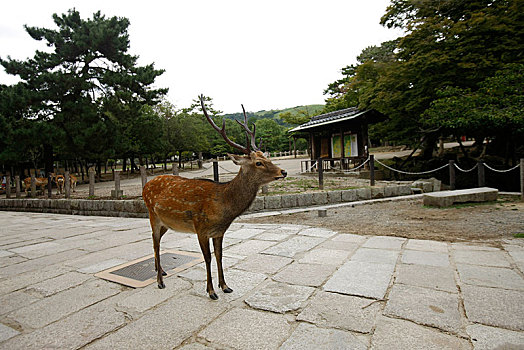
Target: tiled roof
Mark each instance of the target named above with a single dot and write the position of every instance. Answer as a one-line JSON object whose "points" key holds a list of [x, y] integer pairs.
{"points": [[332, 117]]}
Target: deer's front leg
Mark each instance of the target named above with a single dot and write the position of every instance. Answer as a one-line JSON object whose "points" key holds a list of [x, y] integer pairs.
{"points": [[217, 244], [204, 246]]}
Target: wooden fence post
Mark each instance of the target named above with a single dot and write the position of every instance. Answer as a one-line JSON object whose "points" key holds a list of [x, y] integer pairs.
{"points": [[17, 186], [452, 178], [91, 172], [33, 186], [8, 185], [117, 192], [481, 174], [215, 171], [372, 170], [522, 179], [49, 185], [143, 175], [320, 167], [67, 184]]}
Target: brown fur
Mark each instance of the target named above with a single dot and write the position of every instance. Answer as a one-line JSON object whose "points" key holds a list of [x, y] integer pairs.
{"points": [[205, 208], [39, 181]]}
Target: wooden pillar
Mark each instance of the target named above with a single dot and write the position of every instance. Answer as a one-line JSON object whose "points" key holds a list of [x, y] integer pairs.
{"points": [[372, 170], [91, 173], [481, 174], [67, 184], [49, 185], [143, 175], [522, 179], [215, 171], [17, 186], [320, 167], [8, 185], [452, 179], [117, 192], [33, 186]]}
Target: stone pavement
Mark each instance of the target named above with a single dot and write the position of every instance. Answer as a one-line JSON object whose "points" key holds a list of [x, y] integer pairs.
{"points": [[295, 287]]}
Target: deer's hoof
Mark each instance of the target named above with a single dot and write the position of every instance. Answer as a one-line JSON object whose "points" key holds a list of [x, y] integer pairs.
{"points": [[161, 285], [213, 296], [228, 290], [164, 273]]}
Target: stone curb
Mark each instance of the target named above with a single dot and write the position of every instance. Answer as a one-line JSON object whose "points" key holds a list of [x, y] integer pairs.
{"points": [[137, 209]]}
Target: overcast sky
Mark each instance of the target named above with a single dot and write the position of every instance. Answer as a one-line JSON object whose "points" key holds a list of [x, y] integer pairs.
{"points": [[264, 54]]}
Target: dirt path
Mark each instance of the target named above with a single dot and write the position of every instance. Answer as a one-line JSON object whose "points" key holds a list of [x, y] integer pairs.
{"points": [[491, 222]]}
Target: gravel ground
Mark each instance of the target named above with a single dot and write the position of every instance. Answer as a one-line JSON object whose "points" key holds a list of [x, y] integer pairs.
{"points": [[486, 222]]}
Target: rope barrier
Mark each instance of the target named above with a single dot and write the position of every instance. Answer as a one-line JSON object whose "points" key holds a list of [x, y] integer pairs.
{"points": [[352, 170], [410, 173], [502, 171], [466, 171]]}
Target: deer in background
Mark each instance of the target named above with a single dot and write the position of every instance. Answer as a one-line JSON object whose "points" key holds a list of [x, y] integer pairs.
{"points": [[205, 207]]}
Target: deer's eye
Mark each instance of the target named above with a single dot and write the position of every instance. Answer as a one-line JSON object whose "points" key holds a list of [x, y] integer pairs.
{"points": [[258, 164]]}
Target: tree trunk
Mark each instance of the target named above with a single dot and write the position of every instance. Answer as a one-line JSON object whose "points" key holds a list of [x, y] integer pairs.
{"points": [[48, 159]]}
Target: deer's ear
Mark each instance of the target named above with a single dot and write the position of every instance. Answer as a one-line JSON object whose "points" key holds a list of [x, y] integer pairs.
{"points": [[238, 160]]}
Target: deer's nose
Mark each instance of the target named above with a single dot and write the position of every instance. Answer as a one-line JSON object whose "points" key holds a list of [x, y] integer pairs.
{"points": [[284, 173]]}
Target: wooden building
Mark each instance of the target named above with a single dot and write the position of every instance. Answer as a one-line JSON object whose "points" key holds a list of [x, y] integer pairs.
{"points": [[339, 136]]}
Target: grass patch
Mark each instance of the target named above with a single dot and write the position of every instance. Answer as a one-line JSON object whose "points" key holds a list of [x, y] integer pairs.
{"points": [[518, 235]]}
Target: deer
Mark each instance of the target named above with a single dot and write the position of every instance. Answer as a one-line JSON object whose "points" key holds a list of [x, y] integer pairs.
{"points": [[205, 207], [60, 181], [39, 182]]}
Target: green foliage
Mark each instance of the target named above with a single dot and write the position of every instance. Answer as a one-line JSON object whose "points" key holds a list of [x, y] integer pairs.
{"points": [[439, 70], [496, 107], [87, 92]]}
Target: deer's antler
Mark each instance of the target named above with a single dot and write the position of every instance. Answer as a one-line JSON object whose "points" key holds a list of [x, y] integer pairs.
{"points": [[222, 131]]}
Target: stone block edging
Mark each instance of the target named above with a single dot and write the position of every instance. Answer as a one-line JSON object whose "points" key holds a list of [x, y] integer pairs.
{"points": [[136, 208]]}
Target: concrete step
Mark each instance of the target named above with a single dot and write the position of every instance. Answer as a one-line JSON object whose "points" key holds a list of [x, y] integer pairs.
{"points": [[448, 198]]}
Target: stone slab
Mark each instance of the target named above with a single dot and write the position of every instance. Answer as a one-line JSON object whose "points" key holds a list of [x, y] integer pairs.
{"points": [[242, 282], [247, 329], [488, 276], [317, 232], [279, 297], [57, 284], [448, 198], [384, 242], [361, 278], [434, 277], [305, 274], [488, 338], [62, 304], [294, 245], [249, 247], [307, 336], [425, 258], [261, 263], [166, 328], [425, 306], [380, 256], [331, 310], [481, 257], [72, 332], [322, 256], [494, 306], [244, 233], [7, 333], [413, 337], [143, 299], [101, 266], [17, 300], [427, 245]]}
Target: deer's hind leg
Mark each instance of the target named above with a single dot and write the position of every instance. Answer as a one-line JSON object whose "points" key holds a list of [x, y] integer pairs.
{"points": [[158, 232]]}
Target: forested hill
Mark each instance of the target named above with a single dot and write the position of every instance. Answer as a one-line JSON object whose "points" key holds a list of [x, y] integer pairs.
{"points": [[310, 110]]}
